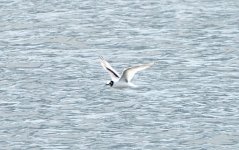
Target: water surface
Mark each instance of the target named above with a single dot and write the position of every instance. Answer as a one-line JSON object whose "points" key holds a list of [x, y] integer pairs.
{"points": [[52, 85]]}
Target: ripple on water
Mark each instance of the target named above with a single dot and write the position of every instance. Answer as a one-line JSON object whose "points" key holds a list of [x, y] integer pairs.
{"points": [[52, 85]]}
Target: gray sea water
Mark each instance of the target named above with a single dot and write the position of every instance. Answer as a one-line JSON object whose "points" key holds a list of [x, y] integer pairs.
{"points": [[52, 87]]}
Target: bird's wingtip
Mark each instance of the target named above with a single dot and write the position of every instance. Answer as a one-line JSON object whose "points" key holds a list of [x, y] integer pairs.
{"points": [[101, 57]]}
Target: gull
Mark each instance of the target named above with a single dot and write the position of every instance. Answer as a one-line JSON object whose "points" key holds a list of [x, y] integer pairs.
{"points": [[125, 79]]}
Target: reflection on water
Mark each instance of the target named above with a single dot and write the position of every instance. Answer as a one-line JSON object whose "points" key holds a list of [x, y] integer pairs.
{"points": [[52, 85]]}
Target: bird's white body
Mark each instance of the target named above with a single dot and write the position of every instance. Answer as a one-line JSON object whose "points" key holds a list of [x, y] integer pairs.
{"points": [[125, 79], [120, 84]]}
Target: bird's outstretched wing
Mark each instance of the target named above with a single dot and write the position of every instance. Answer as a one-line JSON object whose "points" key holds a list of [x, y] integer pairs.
{"points": [[129, 73], [113, 74]]}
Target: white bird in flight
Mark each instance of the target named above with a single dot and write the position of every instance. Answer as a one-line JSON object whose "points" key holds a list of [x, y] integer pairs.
{"points": [[125, 79]]}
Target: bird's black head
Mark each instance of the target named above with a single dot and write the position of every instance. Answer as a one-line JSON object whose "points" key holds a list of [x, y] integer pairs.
{"points": [[110, 83]]}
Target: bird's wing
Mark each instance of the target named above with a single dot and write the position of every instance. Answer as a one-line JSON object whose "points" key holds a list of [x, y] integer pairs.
{"points": [[113, 74], [129, 73]]}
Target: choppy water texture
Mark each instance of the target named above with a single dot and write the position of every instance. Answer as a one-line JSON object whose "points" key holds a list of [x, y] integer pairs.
{"points": [[52, 85]]}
